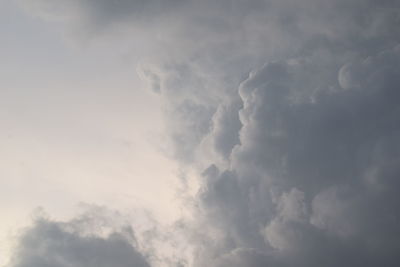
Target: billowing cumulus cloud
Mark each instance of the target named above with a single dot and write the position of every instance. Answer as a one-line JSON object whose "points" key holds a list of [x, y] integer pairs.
{"points": [[288, 111], [315, 171], [78, 243]]}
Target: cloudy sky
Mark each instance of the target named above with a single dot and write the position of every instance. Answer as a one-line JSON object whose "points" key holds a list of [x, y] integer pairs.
{"points": [[188, 133]]}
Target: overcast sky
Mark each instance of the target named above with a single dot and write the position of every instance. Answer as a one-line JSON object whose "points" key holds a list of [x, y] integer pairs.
{"points": [[185, 133]]}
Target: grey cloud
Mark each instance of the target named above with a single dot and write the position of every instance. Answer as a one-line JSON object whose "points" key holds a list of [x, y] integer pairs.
{"points": [[246, 257], [338, 147], [371, 72], [309, 140], [62, 244], [152, 78], [102, 13], [225, 128], [189, 109]]}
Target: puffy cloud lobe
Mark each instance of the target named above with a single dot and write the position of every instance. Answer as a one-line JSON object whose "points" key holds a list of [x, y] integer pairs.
{"points": [[291, 209], [189, 111], [226, 126], [58, 244], [372, 72]]}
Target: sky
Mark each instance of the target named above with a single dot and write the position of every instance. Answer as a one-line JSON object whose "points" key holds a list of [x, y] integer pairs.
{"points": [[188, 133]]}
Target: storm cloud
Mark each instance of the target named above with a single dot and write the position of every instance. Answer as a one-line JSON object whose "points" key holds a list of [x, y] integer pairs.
{"points": [[288, 112], [78, 242]]}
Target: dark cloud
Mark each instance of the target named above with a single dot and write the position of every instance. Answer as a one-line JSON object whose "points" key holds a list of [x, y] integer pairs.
{"points": [[299, 158], [102, 14], [60, 244], [315, 170]]}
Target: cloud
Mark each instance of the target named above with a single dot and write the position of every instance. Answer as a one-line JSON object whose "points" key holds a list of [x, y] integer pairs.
{"points": [[102, 13], [75, 243], [338, 147], [288, 110]]}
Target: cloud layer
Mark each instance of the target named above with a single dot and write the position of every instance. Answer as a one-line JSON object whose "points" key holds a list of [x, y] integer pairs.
{"points": [[288, 111]]}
